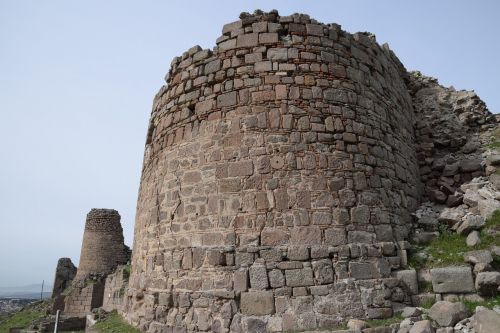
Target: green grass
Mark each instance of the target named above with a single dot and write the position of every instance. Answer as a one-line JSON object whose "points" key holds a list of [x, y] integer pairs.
{"points": [[428, 304], [487, 303], [448, 249], [22, 318], [494, 145], [424, 286], [496, 141], [113, 323], [384, 322]]}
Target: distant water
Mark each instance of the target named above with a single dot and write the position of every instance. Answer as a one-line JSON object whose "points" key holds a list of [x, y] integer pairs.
{"points": [[28, 291]]}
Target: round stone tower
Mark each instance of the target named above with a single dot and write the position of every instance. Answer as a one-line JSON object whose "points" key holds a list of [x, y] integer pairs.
{"points": [[278, 180], [103, 247]]}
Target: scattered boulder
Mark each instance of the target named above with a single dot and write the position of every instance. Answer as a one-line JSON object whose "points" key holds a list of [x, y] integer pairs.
{"points": [[473, 238], [451, 216], [422, 326], [471, 198], [470, 165], [487, 283], [438, 196], [428, 222], [411, 311], [356, 324], [488, 207], [485, 321], [493, 159], [495, 180], [452, 279], [454, 200], [471, 222], [478, 257], [447, 313]]}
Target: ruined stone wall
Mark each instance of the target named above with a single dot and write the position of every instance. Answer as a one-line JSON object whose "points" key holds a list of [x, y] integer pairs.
{"points": [[82, 299], [449, 129], [103, 247], [114, 289], [65, 272], [279, 176]]}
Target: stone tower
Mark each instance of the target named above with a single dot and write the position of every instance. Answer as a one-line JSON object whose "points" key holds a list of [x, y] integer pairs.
{"points": [[103, 249], [279, 176]]}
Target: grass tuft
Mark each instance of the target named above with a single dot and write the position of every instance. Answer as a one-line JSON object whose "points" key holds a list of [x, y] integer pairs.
{"points": [[385, 321], [114, 323], [487, 303], [448, 249]]}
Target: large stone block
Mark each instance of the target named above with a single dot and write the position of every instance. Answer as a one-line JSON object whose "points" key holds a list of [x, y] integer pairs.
{"points": [[257, 303], [409, 278], [447, 313], [258, 276], [306, 236], [299, 277], [452, 280]]}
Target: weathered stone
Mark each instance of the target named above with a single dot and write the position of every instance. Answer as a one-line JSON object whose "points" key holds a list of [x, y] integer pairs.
{"points": [[470, 165], [447, 313], [473, 238], [476, 257], [305, 236], [472, 198], [452, 280], [298, 253], [323, 271], [488, 207], [472, 222], [258, 276], [276, 278], [487, 283], [485, 321], [257, 303], [410, 311], [335, 236], [363, 270], [299, 277], [409, 278], [422, 326], [356, 324], [228, 99], [493, 159], [452, 216]]}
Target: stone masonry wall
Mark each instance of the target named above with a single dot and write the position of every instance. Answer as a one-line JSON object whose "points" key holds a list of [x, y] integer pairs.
{"points": [[279, 176], [114, 289], [82, 300]]}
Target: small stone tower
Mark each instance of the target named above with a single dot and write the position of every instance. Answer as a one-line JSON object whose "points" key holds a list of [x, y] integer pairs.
{"points": [[103, 250], [103, 247]]}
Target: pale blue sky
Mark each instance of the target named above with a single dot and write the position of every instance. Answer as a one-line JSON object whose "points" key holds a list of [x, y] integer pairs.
{"points": [[77, 79]]}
